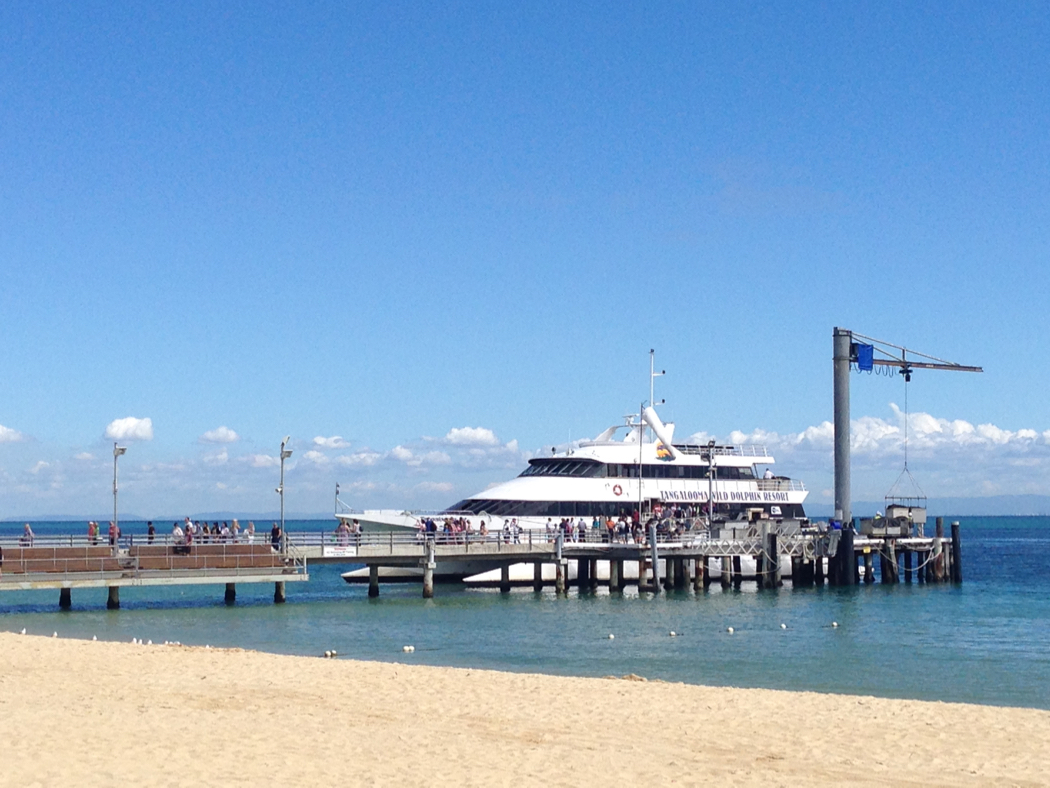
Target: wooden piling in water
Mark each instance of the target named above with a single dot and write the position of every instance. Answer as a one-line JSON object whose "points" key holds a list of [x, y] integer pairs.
{"points": [[113, 600], [654, 556], [230, 596], [537, 576], [560, 577], [938, 552], [373, 581], [504, 579], [737, 572], [818, 571], [956, 554], [726, 575], [774, 558], [908, 554], [699, 575], [428, 569], [869, 566], [615, 575], [669, 573], [65, 599], [279, 593]]}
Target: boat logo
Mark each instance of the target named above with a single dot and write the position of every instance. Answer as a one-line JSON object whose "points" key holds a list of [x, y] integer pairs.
{"points": [[617, 489], [663, 453]]}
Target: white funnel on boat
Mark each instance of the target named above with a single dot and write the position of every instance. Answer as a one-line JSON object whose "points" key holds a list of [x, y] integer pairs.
{"points": [[649, 417]]}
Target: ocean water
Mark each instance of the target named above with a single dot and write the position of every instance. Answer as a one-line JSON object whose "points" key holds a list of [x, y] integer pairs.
{"points": [[986, 641]]}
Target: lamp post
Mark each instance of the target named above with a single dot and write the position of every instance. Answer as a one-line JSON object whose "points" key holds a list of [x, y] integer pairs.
{"points": [[117, 451], [285, 454]]}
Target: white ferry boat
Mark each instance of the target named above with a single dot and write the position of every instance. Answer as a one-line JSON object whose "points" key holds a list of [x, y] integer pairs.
{"points": [[641, 470]]}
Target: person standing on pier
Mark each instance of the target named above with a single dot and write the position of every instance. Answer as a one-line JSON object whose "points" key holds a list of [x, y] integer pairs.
{"points": [[275, 537], [151, 532], [114, 533], [27, 536]]}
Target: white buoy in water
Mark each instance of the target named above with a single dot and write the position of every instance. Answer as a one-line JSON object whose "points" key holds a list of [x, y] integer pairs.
{"points": [[672, 633], [783, 626], [335, 653], [730, 630], [408, 649], [834, 624], [612, 636], [328, 653]]}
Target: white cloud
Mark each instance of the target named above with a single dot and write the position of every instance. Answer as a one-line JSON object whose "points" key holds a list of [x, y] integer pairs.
{"points": [[84, 456], [402, 454], [442, 487], [471, 436], [263, 461], [366, 458], [41, 465], [219, 458], [130, 429], [8, 435], [315, 457], [335, 442], [220, 435]]}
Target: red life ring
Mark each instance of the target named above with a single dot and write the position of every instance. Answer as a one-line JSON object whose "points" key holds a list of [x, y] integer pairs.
{"points": [[617, 489]]}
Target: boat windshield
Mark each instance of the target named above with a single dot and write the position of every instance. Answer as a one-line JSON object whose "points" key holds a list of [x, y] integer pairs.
{"points": [[559, 466]]}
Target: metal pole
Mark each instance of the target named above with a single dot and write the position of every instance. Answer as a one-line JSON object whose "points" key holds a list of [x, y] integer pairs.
{"points": [[841, 358], [115, 455]]}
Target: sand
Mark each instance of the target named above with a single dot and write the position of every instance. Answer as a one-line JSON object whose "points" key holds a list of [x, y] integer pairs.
{"points": [[98, 714]]}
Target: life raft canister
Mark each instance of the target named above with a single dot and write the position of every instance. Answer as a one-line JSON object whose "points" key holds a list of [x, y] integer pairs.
{"points": [[617, 489]]}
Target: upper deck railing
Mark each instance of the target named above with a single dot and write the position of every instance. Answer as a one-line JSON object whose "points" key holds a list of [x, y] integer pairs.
{"points": [[751, 450]]}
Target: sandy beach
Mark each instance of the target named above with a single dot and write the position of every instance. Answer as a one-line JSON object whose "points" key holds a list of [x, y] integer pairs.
{"points": [[97, 714]]}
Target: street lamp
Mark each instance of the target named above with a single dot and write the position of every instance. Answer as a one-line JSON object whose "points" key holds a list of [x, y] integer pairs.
{"points": [[285, 454], [117, 451]]}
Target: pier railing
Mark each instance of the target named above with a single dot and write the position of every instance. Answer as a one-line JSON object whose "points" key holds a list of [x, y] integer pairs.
{"points": [[76, 558]]}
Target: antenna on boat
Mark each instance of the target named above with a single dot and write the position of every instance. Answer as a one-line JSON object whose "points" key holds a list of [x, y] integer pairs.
{"points": [[653, 375]]}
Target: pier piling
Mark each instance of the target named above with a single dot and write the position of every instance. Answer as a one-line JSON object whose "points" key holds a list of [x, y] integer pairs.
{"points": [[428, 569], [726, 574], [65, 599], [373, 581], [938, 552], [231, 593], [278, 594], [113, 601], [655, 557], [956, 554], [504, 578], [537, 576], [615, 575]]}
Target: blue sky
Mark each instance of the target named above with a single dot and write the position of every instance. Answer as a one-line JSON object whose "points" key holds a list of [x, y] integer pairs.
{"points": [[389, 223]]}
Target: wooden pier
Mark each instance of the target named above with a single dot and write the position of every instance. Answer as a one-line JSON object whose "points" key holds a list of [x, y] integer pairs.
{"points": [[665, 561], [66, 563], [765, 552]]}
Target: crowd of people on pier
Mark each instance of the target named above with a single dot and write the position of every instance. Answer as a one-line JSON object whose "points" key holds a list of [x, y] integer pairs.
{"points": [[628, 528], [191, 532]]}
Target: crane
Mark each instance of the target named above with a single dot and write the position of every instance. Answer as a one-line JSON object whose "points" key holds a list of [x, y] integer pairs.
{"points": [[867, 353]]}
